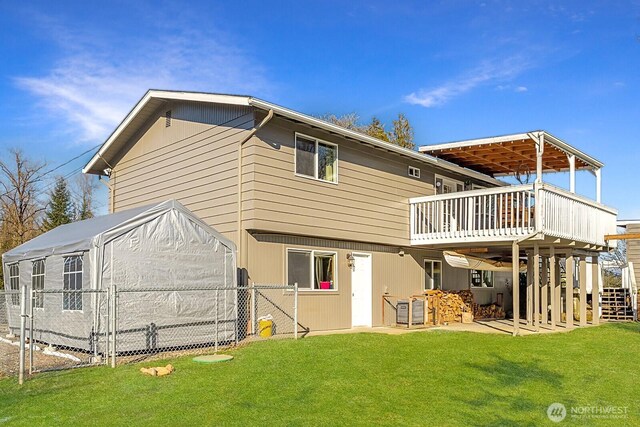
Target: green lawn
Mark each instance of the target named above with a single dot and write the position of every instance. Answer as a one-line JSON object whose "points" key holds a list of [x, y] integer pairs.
{"points": [[432, 378]]}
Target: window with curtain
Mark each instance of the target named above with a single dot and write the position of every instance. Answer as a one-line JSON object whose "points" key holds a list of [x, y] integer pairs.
{"points": [[72, 281], [312, 270], [316, 159], [482, 279]]}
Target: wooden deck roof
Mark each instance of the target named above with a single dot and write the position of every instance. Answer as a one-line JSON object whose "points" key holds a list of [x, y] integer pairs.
{"points": [[512, 154]]}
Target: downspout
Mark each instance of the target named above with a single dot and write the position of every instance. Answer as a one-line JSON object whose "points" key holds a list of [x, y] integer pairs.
{"points": [[239, 187], [109, 185]]}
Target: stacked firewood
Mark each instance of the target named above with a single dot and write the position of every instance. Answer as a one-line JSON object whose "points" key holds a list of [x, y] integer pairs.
{"points": [[489, 311], [450, 305]]}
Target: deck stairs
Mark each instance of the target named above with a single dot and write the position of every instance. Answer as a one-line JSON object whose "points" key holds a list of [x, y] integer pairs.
{"points": [[617, 304]]}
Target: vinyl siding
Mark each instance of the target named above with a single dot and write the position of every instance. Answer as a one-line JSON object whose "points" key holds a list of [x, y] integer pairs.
{"points": [[194, 161], [327, 310], [369, 203], [633, 250], [392, 274]]}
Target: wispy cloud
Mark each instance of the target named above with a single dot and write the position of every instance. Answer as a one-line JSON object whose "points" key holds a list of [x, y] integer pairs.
{"points": [[487, 73], [96, 81]]}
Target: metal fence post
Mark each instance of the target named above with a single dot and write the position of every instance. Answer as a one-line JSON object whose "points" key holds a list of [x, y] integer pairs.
{"points": [[31, 324], [23, 327], [217, 319], [114, 298], [295, 310], [254, 310]]}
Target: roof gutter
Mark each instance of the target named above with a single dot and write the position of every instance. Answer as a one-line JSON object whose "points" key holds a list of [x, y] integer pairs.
{"points": [[330, 127], [240, 259]]}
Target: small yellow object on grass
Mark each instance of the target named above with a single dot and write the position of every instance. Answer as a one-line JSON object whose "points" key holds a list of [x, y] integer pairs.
{"points": [[159, 371]]}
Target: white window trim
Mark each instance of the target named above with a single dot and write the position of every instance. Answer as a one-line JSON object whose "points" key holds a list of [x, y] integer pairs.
{"points": [[446, 180], [9, 277], [313, 252], [493, 280], [424, 262], [64, 257], [44, 275], [315, 163], [416, 170]]}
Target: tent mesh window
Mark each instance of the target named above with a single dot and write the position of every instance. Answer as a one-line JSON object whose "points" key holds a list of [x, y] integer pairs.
{"points": [[14, 283], [37, 282], [72, 276]]}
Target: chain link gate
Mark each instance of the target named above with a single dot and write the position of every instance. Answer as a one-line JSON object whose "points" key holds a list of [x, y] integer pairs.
{"points": [[65, 329]]}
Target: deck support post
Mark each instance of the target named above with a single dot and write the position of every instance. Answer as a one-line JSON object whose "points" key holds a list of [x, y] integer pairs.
{"points": [[598, 174], [544, 300], [515, 277], [529, 289], [553, 284], [595, 291], [558, 294], [539, 153], [583, 290], [536, 287], [572, 173], [569, 292]]}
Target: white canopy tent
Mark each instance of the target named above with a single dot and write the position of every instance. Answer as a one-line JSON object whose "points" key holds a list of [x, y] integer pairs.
{"points": [[149, 251]]}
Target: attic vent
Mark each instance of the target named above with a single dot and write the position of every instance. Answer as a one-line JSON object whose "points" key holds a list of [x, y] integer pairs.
{"points": [[167, 116], [414, 172]]}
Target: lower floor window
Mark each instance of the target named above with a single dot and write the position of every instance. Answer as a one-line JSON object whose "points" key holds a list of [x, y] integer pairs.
{"points": [[432, 274], [481, 279], [311, 270]]}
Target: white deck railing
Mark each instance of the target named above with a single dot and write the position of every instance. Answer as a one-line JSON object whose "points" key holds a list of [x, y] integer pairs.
{"points": [[505, 213]]}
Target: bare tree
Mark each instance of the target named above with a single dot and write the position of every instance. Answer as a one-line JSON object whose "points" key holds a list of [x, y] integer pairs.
{"points": [[83, 190], [20, 179], [348, 121]]}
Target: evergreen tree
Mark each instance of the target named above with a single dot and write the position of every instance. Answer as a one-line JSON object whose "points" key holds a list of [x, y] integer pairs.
{"points": [[376, 130], [403, 132], [59, 208], [84, 212]]}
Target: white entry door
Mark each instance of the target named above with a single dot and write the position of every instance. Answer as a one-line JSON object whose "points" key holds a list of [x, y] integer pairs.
{"points": [[361, 290]]}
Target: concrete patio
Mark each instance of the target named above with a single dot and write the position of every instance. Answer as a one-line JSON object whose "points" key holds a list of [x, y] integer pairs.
{"points": [[502, 326]]}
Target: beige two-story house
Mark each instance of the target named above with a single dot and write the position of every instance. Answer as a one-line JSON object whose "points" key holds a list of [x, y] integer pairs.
{"points": [[350, 218]]}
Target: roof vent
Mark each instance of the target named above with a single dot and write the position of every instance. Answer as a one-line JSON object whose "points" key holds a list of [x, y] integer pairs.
{"points": [[167, 116]]}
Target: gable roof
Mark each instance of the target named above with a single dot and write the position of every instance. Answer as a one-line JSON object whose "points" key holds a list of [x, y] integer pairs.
{"points": [[81, 236], [153, 99]]}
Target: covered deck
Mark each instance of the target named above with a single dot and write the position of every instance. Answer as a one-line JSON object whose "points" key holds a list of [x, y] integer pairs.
{"points": [[547, 227], [538, 210]]}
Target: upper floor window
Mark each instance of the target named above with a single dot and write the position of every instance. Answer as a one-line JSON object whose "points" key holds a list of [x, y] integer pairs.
{"points": [[414, 172], [316, 159], [447, 185], [37, 282], [14, 284], [72, 281]]}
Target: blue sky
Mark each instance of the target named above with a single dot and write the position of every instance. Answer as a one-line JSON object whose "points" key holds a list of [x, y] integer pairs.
{"points": [[70, 71]]}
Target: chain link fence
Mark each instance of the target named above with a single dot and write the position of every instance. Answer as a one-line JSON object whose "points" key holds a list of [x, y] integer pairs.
{"points": [[72, 328]]}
